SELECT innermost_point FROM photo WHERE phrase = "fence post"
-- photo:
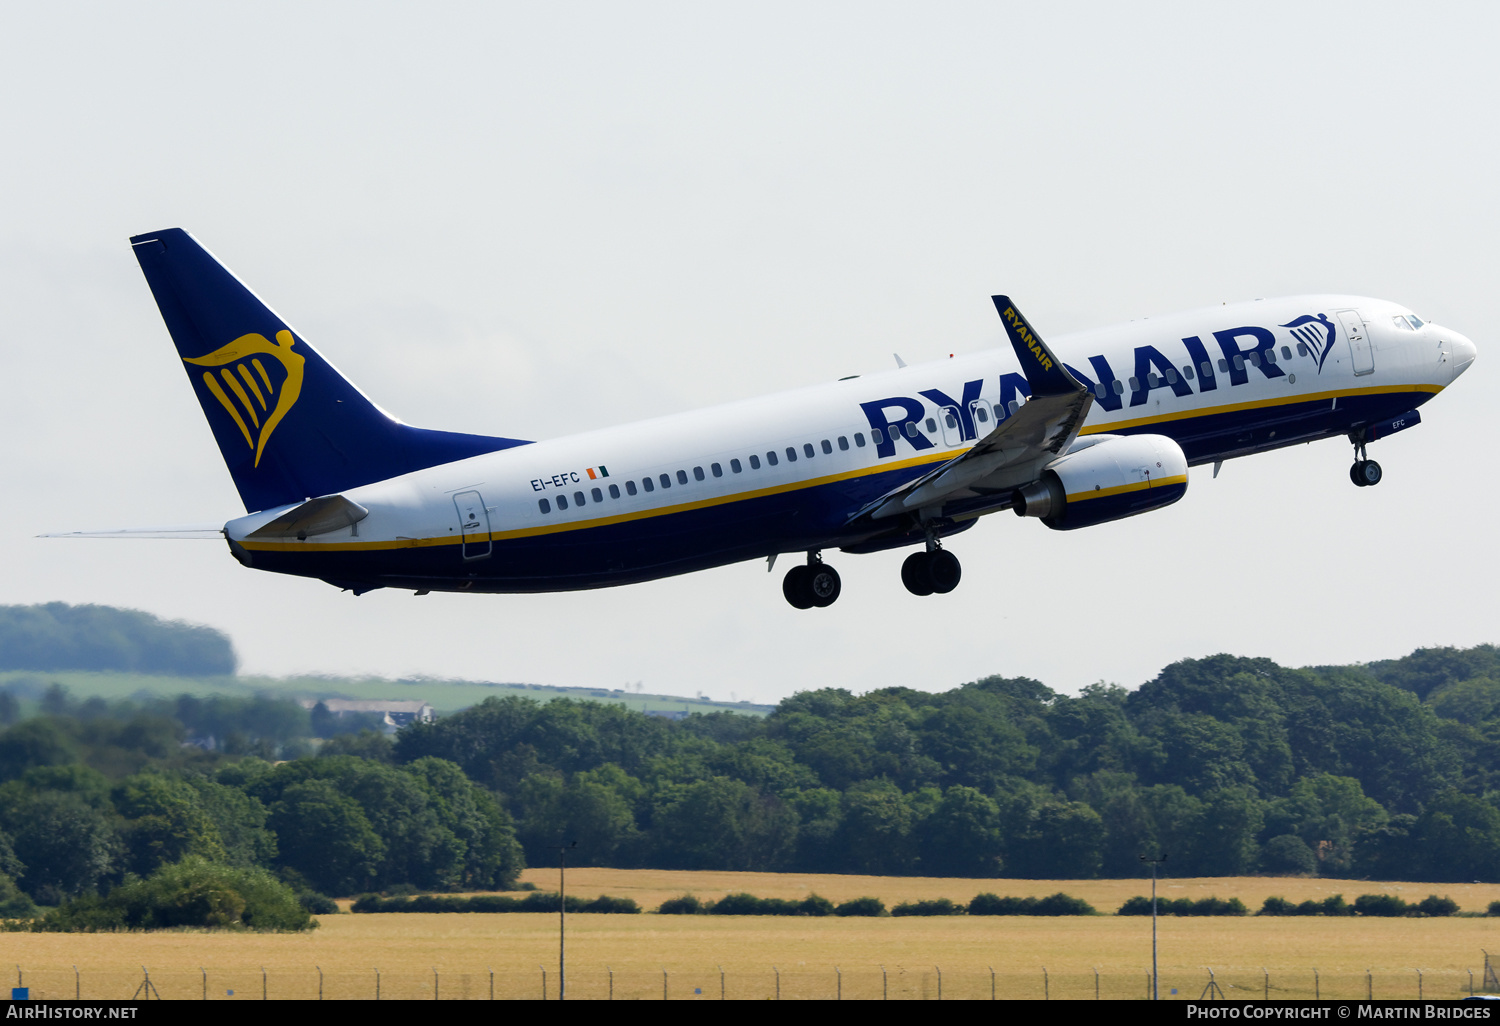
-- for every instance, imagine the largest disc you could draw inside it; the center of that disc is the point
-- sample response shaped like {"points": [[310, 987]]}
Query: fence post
{"points": [[940, 981], [1046, 986], [840, 975], [377, 983], [434, 983], [263, 983], [205, 982], [78, 987], [1096, 983], [885, 990], [721, 983], [778, 982], [1317, 989], [1148, 986], [492, 983], [544, 981], [992, 983], [1268, 982], [611, 982], [664, 983], [1369, 984], [1471, 983], [1419, 985], [320, 981]]}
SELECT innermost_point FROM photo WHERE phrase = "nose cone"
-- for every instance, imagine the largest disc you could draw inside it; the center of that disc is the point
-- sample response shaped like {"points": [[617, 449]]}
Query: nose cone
{"points": [[1463, 353]]}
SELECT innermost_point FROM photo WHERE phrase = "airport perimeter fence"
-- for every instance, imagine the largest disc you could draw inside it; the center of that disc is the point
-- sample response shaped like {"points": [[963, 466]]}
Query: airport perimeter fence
{"points": [[711, 983]]}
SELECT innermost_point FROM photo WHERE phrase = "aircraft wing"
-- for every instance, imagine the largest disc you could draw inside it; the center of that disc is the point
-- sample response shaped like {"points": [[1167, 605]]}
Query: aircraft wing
{"points": [[1014, 452]]}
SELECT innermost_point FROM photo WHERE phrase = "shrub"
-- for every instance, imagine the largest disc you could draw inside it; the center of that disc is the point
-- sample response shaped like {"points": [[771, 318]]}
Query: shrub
{"points": [[604, 903], [1061, 904], [1053, 905], [1279, 907], [193, 892], [1335, 905], [988, 904], [1288, 855], [685, 905], [1138, 906], [876, 907], [750, 905], [1432, 905], [1494, 909], [815, 905], [1218, 907], [933, 907], [315, 903], [1380, 905]]}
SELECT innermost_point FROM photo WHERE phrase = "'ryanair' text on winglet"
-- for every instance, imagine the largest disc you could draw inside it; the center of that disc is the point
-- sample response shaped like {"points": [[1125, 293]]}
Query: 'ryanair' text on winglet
{"points": [[1045, 373]]}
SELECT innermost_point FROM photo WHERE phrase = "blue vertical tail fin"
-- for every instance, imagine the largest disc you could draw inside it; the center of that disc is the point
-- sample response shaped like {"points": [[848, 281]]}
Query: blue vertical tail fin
{"points": [[289, 425]]}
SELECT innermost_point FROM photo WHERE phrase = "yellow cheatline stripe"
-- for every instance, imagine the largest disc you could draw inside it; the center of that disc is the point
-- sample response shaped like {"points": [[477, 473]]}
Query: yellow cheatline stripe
{"points": [[234, 386], [259, 369], [254, 388], [1098, 429], [1133, 487], [942, 455], [577, 525], [213, 386]]}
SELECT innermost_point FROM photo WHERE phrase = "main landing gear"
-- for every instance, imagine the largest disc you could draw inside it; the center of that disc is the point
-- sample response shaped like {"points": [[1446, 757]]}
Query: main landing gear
{"points": [[934, 571], [812, 584], [1365, 473]]}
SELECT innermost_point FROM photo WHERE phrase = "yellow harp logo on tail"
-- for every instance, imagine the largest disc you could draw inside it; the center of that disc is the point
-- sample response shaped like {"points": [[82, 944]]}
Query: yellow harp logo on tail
{"points": [[242, 372]]}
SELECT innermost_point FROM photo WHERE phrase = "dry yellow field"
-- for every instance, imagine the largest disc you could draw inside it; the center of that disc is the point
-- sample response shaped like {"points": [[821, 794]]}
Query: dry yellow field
{"points": [[451, 956]]}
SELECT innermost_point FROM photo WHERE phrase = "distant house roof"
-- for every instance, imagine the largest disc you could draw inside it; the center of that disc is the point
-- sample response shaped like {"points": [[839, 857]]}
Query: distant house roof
{"points": [[394, 713]]}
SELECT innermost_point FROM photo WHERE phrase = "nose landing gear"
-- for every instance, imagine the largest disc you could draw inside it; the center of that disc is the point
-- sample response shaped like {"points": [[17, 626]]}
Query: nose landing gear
{"points": [[1366, 472], [813, 584]]}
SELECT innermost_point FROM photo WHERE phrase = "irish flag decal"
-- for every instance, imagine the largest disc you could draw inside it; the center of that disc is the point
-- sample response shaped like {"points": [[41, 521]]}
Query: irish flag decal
{"points": [[595, 473]]}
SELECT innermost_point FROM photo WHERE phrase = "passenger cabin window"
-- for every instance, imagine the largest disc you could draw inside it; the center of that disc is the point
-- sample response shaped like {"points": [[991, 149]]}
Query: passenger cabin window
{"points": [[1152, 379], [1135, 384], [828, 446], [562, 502], [544, 505], [911, 429], [614, 491], [697, 473], [717, 470], [1118, 386], [734, 465], [1101, 390], [1224, 365], [771, 457], [578, 498], [754, 462], [1171, 376], [682, 476], [931, 426], [1301, 349], [876, 434], [983, 415], [629, 487], [791, 454], [807, 450], [843, 443], [1208, 368], [859, 438], [646, 484], [597, 494], [1286, 352], [665, 479], [1187, 371]]}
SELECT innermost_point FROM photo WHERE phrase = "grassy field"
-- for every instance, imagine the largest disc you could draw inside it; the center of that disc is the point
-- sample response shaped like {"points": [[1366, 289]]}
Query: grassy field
{"points": [[443, 695], [416, 954]]}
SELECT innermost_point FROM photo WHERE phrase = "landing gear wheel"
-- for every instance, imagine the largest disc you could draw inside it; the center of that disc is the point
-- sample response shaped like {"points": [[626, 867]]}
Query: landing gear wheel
{"points": [[822, 584], [1369, 473], [1354, 475], [943, 571], [915, 576], [796, 586]]}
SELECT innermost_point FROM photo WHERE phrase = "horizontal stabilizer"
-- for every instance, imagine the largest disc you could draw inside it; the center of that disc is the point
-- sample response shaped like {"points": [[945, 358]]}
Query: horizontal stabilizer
{"points": [[315, 516], [192, 532]]}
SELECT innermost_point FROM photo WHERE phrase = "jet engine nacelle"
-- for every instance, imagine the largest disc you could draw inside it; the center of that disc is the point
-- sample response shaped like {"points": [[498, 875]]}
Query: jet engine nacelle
{"points": [[1103, 478]]}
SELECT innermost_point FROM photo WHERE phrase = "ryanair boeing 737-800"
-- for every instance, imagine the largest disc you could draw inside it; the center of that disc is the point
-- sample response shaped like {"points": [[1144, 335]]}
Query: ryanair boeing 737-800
{"points": [[1090, 428]]}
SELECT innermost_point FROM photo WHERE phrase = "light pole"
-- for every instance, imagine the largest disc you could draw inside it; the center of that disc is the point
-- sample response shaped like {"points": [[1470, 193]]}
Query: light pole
{"points": [[562, 920], [1154, 863]]}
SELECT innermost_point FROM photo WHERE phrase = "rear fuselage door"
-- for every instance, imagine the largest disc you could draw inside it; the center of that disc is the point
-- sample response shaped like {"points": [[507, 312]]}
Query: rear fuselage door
{"points": [[953, 427], [1359, 341], [474, 522]]}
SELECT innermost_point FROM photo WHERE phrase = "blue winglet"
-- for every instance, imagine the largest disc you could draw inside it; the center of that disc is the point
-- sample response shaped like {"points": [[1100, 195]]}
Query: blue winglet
{"points": [[1045, 373], [288, 424]]}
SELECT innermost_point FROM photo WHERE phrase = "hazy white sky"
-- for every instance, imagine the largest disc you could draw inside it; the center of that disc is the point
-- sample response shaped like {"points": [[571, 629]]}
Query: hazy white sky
{"points": [[534, 219]]}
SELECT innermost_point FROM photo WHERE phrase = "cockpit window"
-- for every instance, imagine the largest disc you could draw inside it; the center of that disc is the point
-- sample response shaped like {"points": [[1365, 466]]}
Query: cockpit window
{"points": [[1416, 322], [1407, 322]]}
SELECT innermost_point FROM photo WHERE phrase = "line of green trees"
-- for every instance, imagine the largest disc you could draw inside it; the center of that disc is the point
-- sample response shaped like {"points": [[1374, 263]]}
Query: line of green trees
{"points": [[57, 636], [1229, 765]]}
